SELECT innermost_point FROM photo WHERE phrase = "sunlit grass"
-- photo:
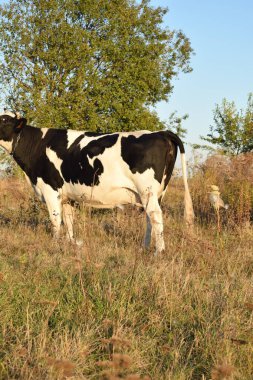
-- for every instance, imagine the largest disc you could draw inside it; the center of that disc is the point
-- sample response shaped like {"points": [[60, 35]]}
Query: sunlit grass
{"points": [[109, 310]]}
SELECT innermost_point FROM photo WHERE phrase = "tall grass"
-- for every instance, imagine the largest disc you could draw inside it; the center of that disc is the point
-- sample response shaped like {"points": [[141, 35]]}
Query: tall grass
{"points": [[109, 310]]}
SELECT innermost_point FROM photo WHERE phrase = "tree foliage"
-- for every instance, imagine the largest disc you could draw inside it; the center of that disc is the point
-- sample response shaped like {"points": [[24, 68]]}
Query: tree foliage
{"points": [[233, 129], [97, 65]]}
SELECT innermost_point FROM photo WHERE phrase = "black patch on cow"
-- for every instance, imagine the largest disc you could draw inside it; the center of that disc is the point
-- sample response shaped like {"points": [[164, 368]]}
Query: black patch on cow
{"points": [[57, 140], [150, 151], [170, 163], [76, 167], [30, 154], [95, 134]]}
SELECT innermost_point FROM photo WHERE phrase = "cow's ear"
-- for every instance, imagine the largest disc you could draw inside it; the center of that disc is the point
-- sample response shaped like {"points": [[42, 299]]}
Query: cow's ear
{"points": [[21, 123]]}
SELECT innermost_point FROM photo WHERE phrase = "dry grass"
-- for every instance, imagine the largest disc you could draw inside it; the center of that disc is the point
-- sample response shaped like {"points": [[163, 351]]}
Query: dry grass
{"points": [[110, 310]]}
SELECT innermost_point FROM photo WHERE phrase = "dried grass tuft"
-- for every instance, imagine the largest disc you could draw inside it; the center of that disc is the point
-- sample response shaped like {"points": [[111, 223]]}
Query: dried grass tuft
{"points": [[222, 371], [65, 367]]}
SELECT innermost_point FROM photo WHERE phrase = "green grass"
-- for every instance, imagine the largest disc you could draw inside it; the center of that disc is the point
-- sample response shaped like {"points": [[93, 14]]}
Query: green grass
{"points": [[109, 310]]}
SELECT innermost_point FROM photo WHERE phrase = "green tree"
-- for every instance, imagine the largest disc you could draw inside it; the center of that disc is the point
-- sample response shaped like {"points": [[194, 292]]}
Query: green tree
{"points": [[98, 65], [233, 129]]}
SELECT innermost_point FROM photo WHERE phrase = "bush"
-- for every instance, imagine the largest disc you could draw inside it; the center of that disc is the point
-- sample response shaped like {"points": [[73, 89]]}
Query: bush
{"points": [[234, 176]]}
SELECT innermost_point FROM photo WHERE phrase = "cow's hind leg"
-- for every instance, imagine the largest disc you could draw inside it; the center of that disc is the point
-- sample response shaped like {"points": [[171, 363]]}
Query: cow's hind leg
{"points": [[155, 221], [147, 238]]}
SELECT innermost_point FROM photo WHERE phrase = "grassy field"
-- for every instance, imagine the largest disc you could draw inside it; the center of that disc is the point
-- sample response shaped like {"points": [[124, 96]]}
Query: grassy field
{"points": [[109, 310]]}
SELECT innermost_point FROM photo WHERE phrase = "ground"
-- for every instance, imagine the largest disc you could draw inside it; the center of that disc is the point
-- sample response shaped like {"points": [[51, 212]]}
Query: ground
{"points": [[110, 310]]}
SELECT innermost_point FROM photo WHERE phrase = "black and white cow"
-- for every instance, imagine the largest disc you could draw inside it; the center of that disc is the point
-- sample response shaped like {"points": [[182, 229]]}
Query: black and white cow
{"points": [[103, 170]]}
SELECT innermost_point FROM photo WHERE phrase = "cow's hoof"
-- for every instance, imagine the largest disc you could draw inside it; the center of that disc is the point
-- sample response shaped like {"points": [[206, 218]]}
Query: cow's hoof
{"points": [[77, 242], [159, 252]]}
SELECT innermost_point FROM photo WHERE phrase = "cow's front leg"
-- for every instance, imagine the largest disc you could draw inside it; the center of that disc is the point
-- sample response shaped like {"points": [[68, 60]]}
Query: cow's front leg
{"points": [[68, 212], [54, 206], [68, 219]]}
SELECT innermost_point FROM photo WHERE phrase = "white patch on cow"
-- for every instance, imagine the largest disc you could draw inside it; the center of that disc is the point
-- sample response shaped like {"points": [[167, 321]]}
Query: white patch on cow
{"points": [[146, 183], [91, 160], [44, 131], [72, 136], [56, 161], [87, 139]]}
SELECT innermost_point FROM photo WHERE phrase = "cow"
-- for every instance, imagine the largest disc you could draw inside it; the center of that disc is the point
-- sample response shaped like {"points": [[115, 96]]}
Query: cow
{"points": [[104, 170]]}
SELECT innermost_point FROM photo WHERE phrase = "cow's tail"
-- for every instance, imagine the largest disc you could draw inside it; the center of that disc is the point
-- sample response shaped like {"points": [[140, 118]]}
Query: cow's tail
{"points": [[188, 211]]}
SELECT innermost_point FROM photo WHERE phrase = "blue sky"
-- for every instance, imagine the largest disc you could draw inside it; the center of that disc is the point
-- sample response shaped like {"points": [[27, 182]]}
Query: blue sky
{"points": [[221, 33]]}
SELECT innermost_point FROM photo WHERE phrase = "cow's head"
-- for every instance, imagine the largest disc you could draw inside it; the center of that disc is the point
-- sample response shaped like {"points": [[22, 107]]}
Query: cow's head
{"points": [[10, 126]]}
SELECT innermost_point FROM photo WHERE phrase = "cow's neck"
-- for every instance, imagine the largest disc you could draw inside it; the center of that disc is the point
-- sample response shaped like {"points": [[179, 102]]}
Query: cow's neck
{"points": [[24, 147]]}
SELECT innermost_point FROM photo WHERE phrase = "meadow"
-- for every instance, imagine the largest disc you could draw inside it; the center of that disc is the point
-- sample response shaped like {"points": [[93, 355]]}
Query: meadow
{"points": [[110, 310]]}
